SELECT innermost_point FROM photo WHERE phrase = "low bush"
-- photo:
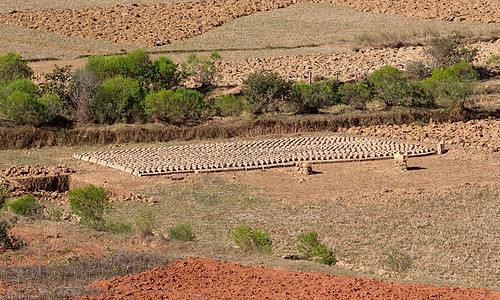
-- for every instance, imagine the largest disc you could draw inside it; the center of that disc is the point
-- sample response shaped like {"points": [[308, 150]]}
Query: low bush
{"points": [[453, 86], [26, 206], [145, 223], [4, 194], [450, 50], [421, 95], [7, 241], [13, 67], [390, 86], [312, 249], [90, 203], [181, 232], [25, 108], [357, 95], [228, 105], [175, 105], [397, 261], [262, 91], [310, 98], [202, 70], [118, 100], [55, 106], [249, 239]]}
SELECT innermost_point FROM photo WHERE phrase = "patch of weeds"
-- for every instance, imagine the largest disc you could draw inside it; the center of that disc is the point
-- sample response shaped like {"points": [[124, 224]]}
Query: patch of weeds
{"points": [[418, 123], [145, 223], [4, 194], [494, 59], [26, 206], [90, 203], [7, 241], [249, 239], [117, 227], [312, 249], [397, 261], [181, 232]]}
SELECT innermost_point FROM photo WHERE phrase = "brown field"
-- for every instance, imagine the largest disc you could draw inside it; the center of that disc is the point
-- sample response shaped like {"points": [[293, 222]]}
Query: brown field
{"points": [[429, 231]]}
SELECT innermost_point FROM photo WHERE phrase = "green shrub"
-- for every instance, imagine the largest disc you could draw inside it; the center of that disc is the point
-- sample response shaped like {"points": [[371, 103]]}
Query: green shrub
{"points": [[228, 105], [453, 86], [55, 106], [57, 83], [357, 95], [25, 108], [90, 203], [262, 91], [202, 71], [117, 227], [390, 85], [134, 65], [312, 249], [163, 74], [310, 98], [25, 206], [13, 67], [4, 194], [118, 99], [181, 232], [175, 105], [421, 95], [448, 51], [397, 261], [145, 223], [249, 239], [20, 85], [7, 241]]}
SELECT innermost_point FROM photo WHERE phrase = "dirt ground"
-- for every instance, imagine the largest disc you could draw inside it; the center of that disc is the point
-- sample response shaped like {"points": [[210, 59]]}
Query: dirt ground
{"points": [[198, 278]]}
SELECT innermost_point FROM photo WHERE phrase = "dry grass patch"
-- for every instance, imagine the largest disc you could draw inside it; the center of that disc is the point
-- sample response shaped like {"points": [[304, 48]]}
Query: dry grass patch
{"points": [[449, 238]]}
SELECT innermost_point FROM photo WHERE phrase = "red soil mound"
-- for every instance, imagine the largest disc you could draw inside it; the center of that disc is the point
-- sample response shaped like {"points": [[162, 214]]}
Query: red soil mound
{"points": [[198, 278], [165, 23]]}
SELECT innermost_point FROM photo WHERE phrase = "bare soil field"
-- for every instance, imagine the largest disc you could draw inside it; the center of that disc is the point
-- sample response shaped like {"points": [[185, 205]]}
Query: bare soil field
{"points": [[195, 277], [164, 23]]}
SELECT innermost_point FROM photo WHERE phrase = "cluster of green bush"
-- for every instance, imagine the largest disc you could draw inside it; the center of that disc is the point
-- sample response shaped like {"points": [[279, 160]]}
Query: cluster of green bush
{"points": [[134, 88]]}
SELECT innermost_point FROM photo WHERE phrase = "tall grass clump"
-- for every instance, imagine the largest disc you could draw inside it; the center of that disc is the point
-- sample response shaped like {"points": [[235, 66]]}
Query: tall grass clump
{"points": [[181, 232], [145, 223]]}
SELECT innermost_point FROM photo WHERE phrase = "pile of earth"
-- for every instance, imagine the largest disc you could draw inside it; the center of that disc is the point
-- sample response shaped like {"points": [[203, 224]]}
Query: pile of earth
{"points": [[198, 278], [479, 134], [346, 66], [165, 23], [30, 179]]}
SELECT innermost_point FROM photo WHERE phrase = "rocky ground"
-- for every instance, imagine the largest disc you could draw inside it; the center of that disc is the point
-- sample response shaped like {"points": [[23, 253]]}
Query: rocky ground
{"points": [[346, 66], [165, 23], [479, 134]]}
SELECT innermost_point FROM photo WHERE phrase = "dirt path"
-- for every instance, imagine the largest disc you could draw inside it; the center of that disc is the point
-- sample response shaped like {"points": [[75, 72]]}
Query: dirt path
{"points": [[198, 278]]}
